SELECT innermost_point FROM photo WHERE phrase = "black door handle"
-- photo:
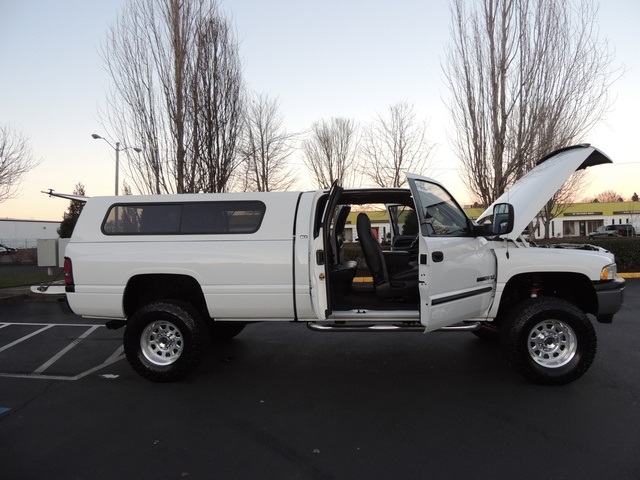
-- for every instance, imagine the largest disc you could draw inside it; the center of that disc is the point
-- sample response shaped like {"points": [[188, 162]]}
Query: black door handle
{"points": [[437, 256]]}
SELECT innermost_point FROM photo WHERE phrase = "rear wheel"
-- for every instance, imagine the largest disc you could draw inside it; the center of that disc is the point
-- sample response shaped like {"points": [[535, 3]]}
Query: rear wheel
{"points": [[549, 341], [163, 341]]}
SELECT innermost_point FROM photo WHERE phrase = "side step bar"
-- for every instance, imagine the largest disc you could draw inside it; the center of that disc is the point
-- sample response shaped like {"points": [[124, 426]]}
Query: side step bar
{"points": [[394, 327]]}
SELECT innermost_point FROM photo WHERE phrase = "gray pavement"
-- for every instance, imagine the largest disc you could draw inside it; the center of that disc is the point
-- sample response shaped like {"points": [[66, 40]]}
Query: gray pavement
{"points": [[283, 402]]}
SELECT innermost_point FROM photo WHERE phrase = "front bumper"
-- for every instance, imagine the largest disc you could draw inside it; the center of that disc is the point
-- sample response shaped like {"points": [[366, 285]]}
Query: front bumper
{"points": [[610, 297]]}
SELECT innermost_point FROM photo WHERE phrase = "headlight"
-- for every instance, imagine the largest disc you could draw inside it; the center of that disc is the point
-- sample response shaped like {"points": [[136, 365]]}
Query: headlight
{"points": [[609, 272]]}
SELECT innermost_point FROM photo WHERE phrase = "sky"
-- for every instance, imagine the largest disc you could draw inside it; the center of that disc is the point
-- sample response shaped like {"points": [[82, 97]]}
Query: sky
{"points": [[335, 58]]}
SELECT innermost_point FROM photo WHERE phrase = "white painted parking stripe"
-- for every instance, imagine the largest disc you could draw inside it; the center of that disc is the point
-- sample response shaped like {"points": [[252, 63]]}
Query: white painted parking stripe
{"points": [[37, 374], [115, 357], [39, 324], [59, 355], [27, 337]]}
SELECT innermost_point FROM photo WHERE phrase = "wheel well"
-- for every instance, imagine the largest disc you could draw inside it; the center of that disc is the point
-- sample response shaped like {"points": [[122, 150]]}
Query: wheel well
{"points": [[144, 289], [572, 287]]}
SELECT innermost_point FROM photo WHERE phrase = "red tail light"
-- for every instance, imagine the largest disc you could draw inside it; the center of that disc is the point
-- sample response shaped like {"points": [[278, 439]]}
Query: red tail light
{"points": [[68, 275]]}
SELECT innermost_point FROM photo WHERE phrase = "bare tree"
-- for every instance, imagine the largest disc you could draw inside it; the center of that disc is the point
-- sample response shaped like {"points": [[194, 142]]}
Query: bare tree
{"points": [[16, 159], [394, 144], [217, 109], [569, 193], [266, 147], [330, 152], [609, 196], [526, 77], [177, 93]]}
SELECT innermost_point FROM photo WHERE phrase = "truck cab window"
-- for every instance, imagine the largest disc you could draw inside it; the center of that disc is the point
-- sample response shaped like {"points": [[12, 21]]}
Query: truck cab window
{"points": [[440, 215]]}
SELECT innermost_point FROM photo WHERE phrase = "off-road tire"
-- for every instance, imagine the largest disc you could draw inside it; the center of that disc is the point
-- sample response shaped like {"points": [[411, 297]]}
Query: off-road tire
{"points": [[548, 340], [165, 341]]}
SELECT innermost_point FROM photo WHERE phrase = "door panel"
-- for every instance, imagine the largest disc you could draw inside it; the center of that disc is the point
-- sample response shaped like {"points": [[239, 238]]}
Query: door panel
{"points": [[456, 270], [462, 272], [319, 261]]}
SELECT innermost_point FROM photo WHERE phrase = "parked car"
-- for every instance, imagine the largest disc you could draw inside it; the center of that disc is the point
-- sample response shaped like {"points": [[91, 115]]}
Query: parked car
{"points": [[604, 231], [7, 250], [622, 230], [625, 230]]}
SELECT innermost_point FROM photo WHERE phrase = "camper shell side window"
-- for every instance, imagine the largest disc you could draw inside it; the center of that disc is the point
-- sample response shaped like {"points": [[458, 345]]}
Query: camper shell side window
{"points": [[184, 218]]}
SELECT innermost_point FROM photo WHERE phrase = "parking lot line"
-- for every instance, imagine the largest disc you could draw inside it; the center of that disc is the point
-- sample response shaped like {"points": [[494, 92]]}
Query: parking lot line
{"points": [[115, 357], [38, 373], [26, 337], [59, 355], [41, 324]]}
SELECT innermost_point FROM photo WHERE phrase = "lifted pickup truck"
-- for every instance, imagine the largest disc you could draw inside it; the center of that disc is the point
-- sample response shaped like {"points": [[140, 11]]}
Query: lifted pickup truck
{"points": [[178, 269]]}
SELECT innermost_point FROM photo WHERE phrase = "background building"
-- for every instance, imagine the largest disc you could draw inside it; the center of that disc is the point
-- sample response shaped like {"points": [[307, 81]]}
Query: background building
{"points": [[26, 233]]}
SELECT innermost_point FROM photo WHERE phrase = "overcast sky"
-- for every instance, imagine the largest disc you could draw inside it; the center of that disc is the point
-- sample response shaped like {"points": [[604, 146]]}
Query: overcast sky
{"points": [[348, 58]]}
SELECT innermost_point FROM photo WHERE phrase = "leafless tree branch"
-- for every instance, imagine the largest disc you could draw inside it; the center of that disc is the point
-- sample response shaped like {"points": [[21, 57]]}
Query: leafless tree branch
{"points": [[394, 144], [526, 77], [16, 160], [330, 152], [266, 147], [177, 94]]}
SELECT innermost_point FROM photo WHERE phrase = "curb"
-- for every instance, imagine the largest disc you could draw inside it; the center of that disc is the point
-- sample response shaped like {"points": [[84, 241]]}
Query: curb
{"points": [[21, 294], [629, 275]]}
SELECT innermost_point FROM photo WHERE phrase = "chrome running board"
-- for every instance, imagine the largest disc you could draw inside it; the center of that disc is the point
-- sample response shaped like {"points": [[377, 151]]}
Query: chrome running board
{"points": [[394, 327]]}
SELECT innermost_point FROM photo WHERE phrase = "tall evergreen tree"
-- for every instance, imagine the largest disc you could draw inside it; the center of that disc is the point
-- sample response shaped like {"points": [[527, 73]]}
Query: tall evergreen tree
{"points": [[70, 217]]}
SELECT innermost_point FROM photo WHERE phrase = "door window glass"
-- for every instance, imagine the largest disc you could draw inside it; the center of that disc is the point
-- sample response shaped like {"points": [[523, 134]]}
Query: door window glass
{"points": [[440, 214]]}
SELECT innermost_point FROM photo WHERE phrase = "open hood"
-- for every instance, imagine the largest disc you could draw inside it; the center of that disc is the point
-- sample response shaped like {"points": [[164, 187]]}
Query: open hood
{"points": [[529, 194]]}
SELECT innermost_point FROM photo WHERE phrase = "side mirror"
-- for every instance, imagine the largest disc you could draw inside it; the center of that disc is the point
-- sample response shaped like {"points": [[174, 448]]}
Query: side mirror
{"points": [[502, 219]]}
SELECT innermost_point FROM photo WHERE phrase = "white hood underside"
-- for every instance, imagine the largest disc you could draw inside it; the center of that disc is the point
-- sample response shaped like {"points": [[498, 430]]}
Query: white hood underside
{"points": [[529, 194]]}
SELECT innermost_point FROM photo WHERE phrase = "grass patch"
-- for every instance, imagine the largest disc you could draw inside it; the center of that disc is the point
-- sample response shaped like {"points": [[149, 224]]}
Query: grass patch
{"points": [[24, 280]]}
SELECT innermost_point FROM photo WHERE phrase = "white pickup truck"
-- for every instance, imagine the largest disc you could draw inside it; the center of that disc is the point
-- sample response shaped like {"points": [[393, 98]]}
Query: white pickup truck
{"points": [[178, 269]]}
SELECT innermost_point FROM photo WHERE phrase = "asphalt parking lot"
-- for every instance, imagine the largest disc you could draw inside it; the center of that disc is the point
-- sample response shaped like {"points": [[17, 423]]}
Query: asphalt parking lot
{"points": [[283, 402]]}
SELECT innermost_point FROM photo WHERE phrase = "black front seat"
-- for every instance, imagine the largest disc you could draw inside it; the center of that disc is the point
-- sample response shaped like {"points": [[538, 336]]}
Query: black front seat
{"points": [[402, 282]]}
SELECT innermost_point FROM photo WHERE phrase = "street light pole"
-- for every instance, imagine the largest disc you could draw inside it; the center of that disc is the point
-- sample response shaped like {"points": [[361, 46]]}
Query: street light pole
{"points": [[117, 165], [117, 148]]}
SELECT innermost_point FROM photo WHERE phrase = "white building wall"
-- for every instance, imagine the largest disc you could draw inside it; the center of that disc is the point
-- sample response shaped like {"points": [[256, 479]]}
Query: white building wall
{"points": [[25, 233]]}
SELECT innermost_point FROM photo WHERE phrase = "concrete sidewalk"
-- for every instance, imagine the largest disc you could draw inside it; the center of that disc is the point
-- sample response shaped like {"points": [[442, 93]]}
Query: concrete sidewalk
{"points": [[20, 294]]}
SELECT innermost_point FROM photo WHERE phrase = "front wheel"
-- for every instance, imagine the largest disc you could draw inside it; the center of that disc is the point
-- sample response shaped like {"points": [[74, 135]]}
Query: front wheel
{"points": [[549, 341], [164, 341]]}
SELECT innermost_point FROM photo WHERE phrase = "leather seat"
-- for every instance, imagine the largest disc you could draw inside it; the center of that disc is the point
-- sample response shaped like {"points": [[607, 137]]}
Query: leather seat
{"points": [[398, 283], [342, 276], [341, 273]]}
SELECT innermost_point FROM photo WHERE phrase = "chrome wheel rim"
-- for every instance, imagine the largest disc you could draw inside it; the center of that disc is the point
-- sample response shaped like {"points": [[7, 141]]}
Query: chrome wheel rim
{"points": [[552, 343], [161, 343]]}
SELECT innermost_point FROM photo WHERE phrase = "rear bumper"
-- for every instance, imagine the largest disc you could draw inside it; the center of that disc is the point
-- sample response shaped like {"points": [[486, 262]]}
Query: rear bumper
{"points": [[610, 296], [64, 306]]}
